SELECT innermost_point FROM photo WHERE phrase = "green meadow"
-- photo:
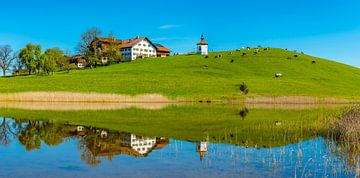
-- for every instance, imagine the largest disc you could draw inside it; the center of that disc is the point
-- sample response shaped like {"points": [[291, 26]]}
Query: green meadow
{"points": [[197, 77], [216, 123]]}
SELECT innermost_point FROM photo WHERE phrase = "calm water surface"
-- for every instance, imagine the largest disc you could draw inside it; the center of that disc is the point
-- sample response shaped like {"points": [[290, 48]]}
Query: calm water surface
{"points": [[42, 149]]}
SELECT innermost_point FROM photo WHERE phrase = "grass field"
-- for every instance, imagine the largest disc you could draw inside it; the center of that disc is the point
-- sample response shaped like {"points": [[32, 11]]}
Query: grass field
{"points": [[218, 123], [194, 77]]}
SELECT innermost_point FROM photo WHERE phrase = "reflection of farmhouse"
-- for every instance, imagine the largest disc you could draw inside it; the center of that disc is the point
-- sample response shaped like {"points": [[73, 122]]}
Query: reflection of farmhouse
{"points": [[108, 144], [135, 48]]}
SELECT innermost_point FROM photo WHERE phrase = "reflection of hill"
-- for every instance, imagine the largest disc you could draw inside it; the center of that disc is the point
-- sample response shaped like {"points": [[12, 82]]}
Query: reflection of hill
{"points": [[220, 123]]}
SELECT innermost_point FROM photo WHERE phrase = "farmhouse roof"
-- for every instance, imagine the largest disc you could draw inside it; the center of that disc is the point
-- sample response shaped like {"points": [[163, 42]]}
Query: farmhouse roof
{"points": [[125, 43], [161, 48]]}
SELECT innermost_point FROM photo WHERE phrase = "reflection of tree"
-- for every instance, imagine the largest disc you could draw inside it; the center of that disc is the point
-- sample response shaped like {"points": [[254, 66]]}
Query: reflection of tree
{"points": [[87, 145], [29, 136], [37, 131], [52, 134], [8, 130]]}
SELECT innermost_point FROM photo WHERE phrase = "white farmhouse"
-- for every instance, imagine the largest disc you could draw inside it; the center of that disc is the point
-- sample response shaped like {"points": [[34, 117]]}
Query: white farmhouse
{"points": [[202, 47], [139, 47], [134, 48]]}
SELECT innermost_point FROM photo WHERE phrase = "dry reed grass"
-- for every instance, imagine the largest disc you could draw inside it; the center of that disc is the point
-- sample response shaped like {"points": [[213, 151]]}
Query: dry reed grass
{"points": [[76, 106], [82, 97], [347, 126], [295, 100]]}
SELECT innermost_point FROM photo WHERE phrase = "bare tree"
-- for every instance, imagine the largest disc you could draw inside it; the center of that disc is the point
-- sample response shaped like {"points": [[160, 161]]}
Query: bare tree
{"points": [[7, 57], [86, 39], [8, 131]]}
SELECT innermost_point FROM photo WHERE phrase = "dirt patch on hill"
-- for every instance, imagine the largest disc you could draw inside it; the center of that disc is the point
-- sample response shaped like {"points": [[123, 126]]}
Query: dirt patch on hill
{"points": [[82, 97]]}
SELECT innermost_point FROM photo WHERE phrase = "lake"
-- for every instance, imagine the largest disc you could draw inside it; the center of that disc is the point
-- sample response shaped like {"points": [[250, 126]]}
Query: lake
{"points": [[176, 141]]}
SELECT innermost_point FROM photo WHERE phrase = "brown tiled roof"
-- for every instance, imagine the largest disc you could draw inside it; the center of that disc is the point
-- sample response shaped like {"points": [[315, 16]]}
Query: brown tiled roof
{"points": [[133, 41], [78, 59], [162, 49], [124, 43]]}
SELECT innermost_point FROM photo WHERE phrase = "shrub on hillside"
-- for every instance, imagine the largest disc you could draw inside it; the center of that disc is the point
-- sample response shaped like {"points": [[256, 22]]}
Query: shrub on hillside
{"points": [[243, 113], [244, 88]]}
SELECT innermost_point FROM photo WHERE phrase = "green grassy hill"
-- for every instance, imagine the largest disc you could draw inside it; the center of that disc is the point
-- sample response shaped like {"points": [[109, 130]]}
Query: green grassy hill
{"points": [[195, 77]]}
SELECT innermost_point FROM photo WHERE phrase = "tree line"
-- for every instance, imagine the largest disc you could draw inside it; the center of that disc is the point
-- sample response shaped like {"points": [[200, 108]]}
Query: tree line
{"points": [[33, 60]]}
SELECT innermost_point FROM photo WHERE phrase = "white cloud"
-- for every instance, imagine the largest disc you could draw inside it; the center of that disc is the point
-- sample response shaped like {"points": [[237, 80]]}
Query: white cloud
{"points": [[167, 27]]}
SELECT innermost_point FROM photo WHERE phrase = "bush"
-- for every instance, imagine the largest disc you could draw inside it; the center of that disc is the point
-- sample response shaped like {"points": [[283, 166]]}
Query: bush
{"points": [[244, 89], [243, 113]]}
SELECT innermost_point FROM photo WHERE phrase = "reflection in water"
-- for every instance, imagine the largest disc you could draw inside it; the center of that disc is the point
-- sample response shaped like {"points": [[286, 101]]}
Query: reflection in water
{"points": [[313, 158], [93, 142], [202, 149]]}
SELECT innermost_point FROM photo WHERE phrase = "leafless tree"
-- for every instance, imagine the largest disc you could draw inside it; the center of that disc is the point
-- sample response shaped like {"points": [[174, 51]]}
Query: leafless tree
{"points": [[8, 131], [7, 57], [86, 39]]}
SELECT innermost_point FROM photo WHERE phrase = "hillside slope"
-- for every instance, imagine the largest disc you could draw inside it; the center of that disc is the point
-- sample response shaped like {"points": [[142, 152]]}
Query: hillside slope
{"points": [[197, 77]]}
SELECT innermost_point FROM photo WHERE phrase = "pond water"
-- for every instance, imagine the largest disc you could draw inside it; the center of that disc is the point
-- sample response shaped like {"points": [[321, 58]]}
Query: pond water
{"points": [[51, 148]]}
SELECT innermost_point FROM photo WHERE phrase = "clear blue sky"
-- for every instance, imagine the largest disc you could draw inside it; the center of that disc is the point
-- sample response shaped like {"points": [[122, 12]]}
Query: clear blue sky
{"points": [[324, 28]]}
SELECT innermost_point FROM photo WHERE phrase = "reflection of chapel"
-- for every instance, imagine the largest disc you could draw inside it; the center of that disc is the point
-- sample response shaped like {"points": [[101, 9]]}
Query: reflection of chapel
{"points": [[202, 148]]}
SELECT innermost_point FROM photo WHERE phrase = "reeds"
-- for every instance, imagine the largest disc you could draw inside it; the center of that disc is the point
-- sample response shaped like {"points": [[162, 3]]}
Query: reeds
{"points": [[82, 97], [347, 127], [296, 100]]}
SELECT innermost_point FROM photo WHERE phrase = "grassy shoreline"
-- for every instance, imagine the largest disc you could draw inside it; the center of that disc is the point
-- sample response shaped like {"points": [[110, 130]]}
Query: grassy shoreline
{"points": [[72, 97], [193, 77]]}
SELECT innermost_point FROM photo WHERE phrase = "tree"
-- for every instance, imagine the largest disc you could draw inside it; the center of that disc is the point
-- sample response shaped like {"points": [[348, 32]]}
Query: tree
{"points": [[31, 57], [112, 51], [244, 88], [50, 58], [86, 39], [7, 57]]}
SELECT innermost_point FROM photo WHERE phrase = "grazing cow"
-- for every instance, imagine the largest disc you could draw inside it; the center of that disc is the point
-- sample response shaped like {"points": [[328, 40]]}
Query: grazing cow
{"points": [[232, 61], [244, 54], [313, 62], [206, 57], [218, 56], [277, 75], [296, 55], [257, 49]]}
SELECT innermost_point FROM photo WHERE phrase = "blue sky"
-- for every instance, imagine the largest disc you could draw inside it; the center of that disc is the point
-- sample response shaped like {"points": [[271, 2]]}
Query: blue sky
{"points": [[329, 29]]}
